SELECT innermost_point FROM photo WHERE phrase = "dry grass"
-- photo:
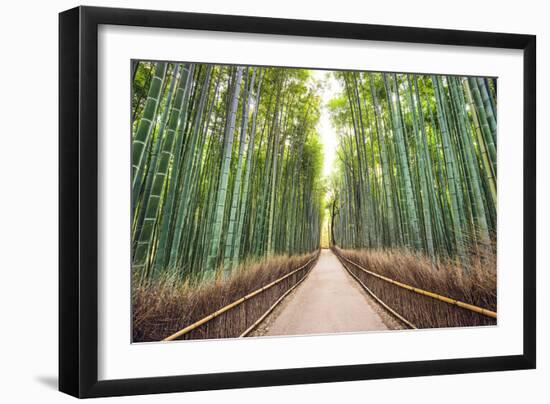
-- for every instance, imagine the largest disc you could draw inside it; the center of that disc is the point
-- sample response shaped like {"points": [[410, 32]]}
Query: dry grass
{"points": [[164, 306], [476, 286]]}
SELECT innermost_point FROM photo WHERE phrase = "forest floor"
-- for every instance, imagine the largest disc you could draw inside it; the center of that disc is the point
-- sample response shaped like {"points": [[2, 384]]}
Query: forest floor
{"points": [[328, 301]]}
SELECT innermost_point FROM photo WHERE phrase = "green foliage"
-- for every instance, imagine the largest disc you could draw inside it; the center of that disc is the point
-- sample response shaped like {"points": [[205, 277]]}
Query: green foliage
{"points": [[227, 164], [417, 162], [236, 174]]}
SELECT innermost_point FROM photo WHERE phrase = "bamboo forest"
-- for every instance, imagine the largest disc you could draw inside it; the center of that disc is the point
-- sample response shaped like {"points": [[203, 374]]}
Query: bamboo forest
{"points": [[246, 180]]}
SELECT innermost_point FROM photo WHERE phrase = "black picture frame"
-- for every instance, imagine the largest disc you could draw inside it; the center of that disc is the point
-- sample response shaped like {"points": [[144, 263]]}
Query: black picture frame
{"points": [[78, 201]]}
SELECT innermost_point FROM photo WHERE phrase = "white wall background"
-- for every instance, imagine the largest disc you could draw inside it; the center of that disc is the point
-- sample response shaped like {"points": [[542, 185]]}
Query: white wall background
{"points": [[28, 202]]}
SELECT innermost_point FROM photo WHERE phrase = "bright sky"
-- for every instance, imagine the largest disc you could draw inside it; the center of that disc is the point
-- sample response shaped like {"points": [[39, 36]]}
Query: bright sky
{"points": [[327, 134]]}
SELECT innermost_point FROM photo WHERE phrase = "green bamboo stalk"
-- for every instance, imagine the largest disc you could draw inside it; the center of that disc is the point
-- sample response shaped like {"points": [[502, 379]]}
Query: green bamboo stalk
{"points": [[487, 103], [246, 181], [451, 171], [140, 208], [471, 163], [143, 248], [146, 124], [226, 160], [188, 157], [422, 166], [485, 128], [395, 112], [235, 200]]}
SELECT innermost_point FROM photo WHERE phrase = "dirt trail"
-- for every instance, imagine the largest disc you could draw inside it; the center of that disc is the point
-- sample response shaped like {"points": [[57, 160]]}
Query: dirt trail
{"points": [[328, 301]]}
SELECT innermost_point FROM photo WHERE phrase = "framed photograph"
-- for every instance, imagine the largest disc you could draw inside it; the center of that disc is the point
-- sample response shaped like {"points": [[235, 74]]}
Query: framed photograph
{"points": [[250, 201]]}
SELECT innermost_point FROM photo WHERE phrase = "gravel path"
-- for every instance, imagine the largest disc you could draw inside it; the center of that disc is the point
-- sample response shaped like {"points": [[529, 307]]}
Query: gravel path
{"points": [[328, 301]]}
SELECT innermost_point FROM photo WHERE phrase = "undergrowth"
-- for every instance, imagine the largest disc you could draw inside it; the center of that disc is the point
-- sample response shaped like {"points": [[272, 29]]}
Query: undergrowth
{"points": [[477, 284], [165, 305]]}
